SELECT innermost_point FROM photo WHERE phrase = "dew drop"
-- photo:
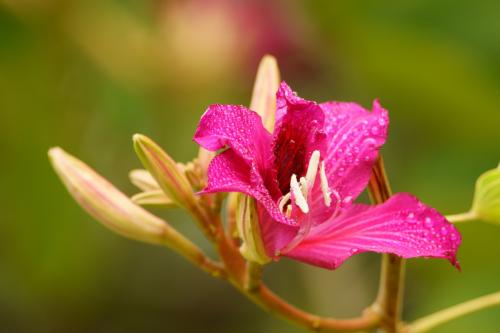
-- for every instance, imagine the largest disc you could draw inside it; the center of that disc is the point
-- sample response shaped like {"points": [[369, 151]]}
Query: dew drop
{"points": [[444, 230]]}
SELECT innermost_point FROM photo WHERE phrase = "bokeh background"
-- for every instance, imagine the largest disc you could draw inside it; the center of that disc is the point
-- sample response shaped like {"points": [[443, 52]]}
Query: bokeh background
{"points": [[86, 75]]}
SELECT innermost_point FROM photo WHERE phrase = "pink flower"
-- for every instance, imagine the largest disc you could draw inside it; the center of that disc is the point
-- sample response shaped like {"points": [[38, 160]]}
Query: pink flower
{"points": [[306, 175]]}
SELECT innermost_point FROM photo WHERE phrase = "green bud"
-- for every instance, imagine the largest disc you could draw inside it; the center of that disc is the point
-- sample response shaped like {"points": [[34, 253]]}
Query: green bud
{"points": [[247, 223], [486, 203], [265, 87], [165, 171], [105, 203]]}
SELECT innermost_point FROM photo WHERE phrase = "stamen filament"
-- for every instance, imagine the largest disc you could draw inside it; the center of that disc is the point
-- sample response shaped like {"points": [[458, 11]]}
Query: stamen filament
{"points": [[297, 194], [284, 199], [312, 168], [324, 185], [304, 187]]}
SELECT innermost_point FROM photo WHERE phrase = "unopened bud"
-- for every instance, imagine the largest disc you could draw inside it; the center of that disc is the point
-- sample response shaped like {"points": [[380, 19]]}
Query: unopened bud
{"points": [[153, 198], [252, 247], [203, 160], [486, 203], [153, 195], [143, 180], [106, 203], [165, 171], [264, 91]]}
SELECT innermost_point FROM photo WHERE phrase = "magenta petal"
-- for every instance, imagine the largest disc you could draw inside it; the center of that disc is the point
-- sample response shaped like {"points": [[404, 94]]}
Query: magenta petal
{"points": [[354, 137], [402, 226], [275, 236], [298, 132], [229, 173], [235, 127]]}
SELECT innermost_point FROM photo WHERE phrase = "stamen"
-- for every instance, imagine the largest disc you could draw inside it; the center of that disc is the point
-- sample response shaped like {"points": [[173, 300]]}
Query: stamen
{"points": [[312, 168], [324, 185], [288, 211], [304, 187], [297, 194], [284, 199]]}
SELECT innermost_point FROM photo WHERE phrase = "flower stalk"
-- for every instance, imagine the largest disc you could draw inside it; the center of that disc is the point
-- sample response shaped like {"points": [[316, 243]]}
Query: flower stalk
{"points": [[438, 318], [462, 217], [171, 180]]}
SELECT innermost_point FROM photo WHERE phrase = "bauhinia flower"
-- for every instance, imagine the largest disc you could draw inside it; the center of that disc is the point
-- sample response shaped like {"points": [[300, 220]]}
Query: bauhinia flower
{"points": [[306, 175]]}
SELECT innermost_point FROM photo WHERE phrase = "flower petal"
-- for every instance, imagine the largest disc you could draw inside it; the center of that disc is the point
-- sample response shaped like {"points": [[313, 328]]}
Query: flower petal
{"points": [[402, 226], [298, 133], [228, 172], [354, 137], [275, 236], [239, 129]]}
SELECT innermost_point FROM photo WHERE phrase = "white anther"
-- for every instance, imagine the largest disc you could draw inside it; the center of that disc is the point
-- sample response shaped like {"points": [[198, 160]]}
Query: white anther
{"points": [[312, 168], [300, 200], [284, 199], [324, 185]]}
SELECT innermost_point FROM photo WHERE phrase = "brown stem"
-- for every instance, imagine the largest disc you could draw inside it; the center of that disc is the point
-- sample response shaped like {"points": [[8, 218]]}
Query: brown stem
{"points": [[273, 304], [193, 253], [253, 276], [256, 291], [388, 301]]}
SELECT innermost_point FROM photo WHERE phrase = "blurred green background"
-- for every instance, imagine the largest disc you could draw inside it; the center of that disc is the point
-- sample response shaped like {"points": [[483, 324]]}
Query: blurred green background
{"points": [[86, 75]]}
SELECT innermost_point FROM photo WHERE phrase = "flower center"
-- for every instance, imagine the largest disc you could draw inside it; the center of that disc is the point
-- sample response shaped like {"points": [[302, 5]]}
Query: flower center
{"points": [[300, 189], [289, 153]]}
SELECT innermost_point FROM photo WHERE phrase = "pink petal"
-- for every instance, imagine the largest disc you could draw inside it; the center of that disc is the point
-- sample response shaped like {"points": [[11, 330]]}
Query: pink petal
{"points": [[235, 127], [402, 226], [275, 236], [228, 172], [245, 166], [298, 132], [354, 137]]}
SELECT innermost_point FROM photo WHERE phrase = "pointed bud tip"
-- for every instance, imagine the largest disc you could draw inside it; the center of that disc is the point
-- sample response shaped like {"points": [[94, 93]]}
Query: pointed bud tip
{"points": [[138, 138], [54, 152], [269, 59]]}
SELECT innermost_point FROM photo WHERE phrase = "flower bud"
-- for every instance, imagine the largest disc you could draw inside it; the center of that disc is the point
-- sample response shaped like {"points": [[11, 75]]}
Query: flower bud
{"points": [[165, 171], [153, 198], [143, 180], [203, 160], [152, 194], [264, 91], [252, 247], [486, 203], [106, 203]]}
